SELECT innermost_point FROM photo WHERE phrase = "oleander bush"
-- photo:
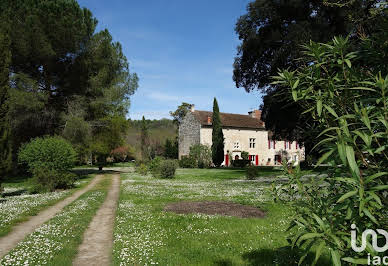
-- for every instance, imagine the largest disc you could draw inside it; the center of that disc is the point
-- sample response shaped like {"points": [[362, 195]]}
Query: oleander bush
{"points": [[350, 104], [49, 159]]}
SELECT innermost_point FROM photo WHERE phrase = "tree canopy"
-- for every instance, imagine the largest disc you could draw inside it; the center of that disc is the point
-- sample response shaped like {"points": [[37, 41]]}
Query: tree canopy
{"points": [[65, 78]]}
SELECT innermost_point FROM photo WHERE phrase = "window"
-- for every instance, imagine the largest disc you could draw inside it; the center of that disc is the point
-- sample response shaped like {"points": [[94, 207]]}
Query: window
{"points": [[271, 144], [252, 143], [287, 145], [236, 145], [252, 158]]}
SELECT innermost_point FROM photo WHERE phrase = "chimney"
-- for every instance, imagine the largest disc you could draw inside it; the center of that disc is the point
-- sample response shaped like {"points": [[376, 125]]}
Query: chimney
{"points": [[192, 108], [255, 114], [209, 120]]}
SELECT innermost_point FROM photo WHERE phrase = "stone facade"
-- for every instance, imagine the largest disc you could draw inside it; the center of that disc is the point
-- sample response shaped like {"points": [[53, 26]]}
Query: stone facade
{"points": [[189, 134], [255, 141]]}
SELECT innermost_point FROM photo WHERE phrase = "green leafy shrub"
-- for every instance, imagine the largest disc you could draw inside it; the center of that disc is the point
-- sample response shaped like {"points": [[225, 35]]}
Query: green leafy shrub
{"points": [[187, 162], [49, 153], [141, 169], [240, 163], [251, 172], [202, 155], [350, 106], [154, 165], [49, 160], [167, 169], [245, 155]]}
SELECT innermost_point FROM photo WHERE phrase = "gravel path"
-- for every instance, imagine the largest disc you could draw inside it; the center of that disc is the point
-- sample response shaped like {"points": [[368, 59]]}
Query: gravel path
{"points": [[20, 231], [96, 247]]}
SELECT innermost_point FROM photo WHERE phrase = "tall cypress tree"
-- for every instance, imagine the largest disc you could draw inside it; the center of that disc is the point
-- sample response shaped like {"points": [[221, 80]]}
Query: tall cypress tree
{"points": [[144, 139], [5, 126], [217, 136]]}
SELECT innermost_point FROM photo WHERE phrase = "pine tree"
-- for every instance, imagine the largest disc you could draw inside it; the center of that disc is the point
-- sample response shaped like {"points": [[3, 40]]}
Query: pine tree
{"points": [[5, 127], [217, 136]]}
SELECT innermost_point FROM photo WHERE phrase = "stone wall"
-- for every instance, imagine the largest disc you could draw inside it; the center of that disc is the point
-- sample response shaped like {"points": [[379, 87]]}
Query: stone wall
{"points": [[189, 134]]}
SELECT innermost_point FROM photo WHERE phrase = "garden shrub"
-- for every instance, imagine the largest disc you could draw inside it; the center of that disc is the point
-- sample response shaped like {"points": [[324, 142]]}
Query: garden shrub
{"points": [[187, 162], [153, 166], [167, 169], [350, 106], [141, 169], [245, 155], [240, 163], [49, 159], [252, 172], [202, 155]]}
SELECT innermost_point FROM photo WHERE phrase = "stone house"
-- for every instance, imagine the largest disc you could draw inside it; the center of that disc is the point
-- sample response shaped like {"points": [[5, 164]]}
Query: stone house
{"points": [[241, 133]]}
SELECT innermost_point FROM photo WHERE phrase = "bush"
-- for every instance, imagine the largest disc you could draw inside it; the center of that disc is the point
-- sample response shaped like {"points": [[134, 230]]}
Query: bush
{"points": [[245, 155], [252, 172], [45, 180], [141, 169], [187, 162], [167, 169], [202, 155], [49, 160], [240, 163], [49, 153], [153, 166]]}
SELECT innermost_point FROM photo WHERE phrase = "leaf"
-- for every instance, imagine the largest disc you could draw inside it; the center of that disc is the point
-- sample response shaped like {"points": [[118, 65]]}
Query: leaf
{"points": [[335, 257], [331, 110], [319, 107], [324, 157], [362, 88], [295, 84], [367, 213], [294, 95], [308, 236], [347, 195], [382, 187], [356, 261], [351, 160], [347, 61], [318, 252], [372, 177]]}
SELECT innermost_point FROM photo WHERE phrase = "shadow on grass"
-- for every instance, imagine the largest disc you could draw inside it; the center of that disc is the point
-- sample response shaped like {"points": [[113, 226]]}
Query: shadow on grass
{"points": [[83, 172], [14, 193], [281, 256], [285, 256]]}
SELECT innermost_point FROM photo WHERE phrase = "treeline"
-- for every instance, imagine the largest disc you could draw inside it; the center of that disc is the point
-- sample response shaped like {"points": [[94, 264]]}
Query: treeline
{"points": [[59, 76]]}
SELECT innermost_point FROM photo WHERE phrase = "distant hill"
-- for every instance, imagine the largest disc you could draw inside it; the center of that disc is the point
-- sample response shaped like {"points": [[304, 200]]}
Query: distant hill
{"points": [[158, 130]]}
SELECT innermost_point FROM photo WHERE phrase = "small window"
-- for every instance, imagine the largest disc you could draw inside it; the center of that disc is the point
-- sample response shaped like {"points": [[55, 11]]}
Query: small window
{"points": [[236, 145], [252, 143], [271, 144], [252, 157]]}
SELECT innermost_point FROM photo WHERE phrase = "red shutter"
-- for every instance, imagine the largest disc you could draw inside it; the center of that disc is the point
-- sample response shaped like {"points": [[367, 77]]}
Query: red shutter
{"points": [[226, 160], [257, 159], [296, 144], [274, 144], [285, 145], [269, 144]]}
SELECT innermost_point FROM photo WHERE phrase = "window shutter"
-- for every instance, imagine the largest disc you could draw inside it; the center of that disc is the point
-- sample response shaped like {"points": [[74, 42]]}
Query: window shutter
{"points": [[285, 145], [269, 144], [274, 144]]}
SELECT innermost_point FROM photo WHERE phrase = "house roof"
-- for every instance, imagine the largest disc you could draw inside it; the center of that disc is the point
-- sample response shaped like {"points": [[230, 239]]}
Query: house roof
{"points": [[229, 120]]}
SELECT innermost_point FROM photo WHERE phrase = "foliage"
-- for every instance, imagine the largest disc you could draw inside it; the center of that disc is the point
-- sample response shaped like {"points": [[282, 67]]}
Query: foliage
{"points": [[48, 152], [58, 59], [272, 34], [167, 169], [217, 136], [153, 166], [144, 141], [251, 172], [351, 107], [240, 163], [46, 179], [49, 160], [123, 154], [180, 112], [187, 162], [5, 125], [202, 155], [141, 169], [171, 149], [245, 155]]}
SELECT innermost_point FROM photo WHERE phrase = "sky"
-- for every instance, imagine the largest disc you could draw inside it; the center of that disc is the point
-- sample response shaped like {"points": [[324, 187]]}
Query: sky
{"points": [[182, 51]]}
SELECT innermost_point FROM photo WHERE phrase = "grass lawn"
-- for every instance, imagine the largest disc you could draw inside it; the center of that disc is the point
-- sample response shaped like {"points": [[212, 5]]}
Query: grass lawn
{"points": [[17, 205], [56, 242], [145, 234]]}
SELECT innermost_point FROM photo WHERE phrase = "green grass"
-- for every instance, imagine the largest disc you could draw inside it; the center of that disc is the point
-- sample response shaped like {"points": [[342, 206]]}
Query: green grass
{"points": [[145, 234], [19, 208], [56, 242]]}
